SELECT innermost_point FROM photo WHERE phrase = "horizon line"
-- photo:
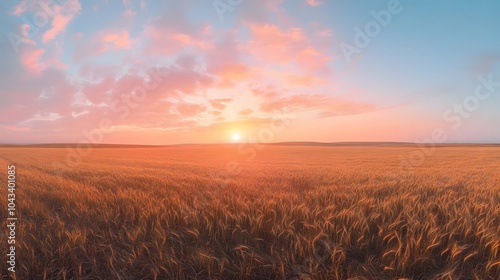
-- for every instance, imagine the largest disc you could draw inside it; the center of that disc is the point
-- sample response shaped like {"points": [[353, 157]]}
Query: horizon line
{"points": [[284, 143]]}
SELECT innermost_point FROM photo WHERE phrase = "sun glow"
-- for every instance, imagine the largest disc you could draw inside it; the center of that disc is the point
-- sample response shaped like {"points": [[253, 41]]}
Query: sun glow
{"points": [[236, 137]]}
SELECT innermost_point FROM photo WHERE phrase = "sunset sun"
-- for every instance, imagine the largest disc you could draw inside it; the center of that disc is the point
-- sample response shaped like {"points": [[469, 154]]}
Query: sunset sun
{"points": [[235, 137]]}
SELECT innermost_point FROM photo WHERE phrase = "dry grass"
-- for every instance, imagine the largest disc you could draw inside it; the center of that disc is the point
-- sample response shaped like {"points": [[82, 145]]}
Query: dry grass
{"points": [[318, 212]]}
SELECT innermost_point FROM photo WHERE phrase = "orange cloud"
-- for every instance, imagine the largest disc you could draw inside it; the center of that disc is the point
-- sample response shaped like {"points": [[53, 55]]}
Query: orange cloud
{"points": [[230, 73], [245, 112], [220, 103]]}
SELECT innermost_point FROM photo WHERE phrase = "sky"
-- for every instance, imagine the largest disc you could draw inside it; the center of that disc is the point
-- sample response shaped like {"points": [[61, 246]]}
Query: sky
{"points": [[197, 71]]}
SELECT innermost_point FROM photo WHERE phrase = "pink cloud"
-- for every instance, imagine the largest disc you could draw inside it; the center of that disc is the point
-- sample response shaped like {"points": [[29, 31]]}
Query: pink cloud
{"points": [[96, 92], [60, 15], [118, 39], [24, 30], [58, 24], [303, 80], [77, 36], [20, 8], [187, 109], [48, 93], [129, 13], [103, 41], [95, 72], [174, 32], [36, 60], [314, 3], [56, 63], [270, 43], [226, 60], [267, 92], [88, 49], [30, 58], [262, 11], [165, 102], [167, 41]]}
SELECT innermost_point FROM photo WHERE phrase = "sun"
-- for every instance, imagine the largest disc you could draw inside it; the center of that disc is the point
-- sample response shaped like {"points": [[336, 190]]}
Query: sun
{"points": [[236, 137]]}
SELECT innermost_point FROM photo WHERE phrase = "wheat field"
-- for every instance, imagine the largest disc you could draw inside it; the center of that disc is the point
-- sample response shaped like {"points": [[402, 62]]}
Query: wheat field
{"points": [[290, 212]]}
